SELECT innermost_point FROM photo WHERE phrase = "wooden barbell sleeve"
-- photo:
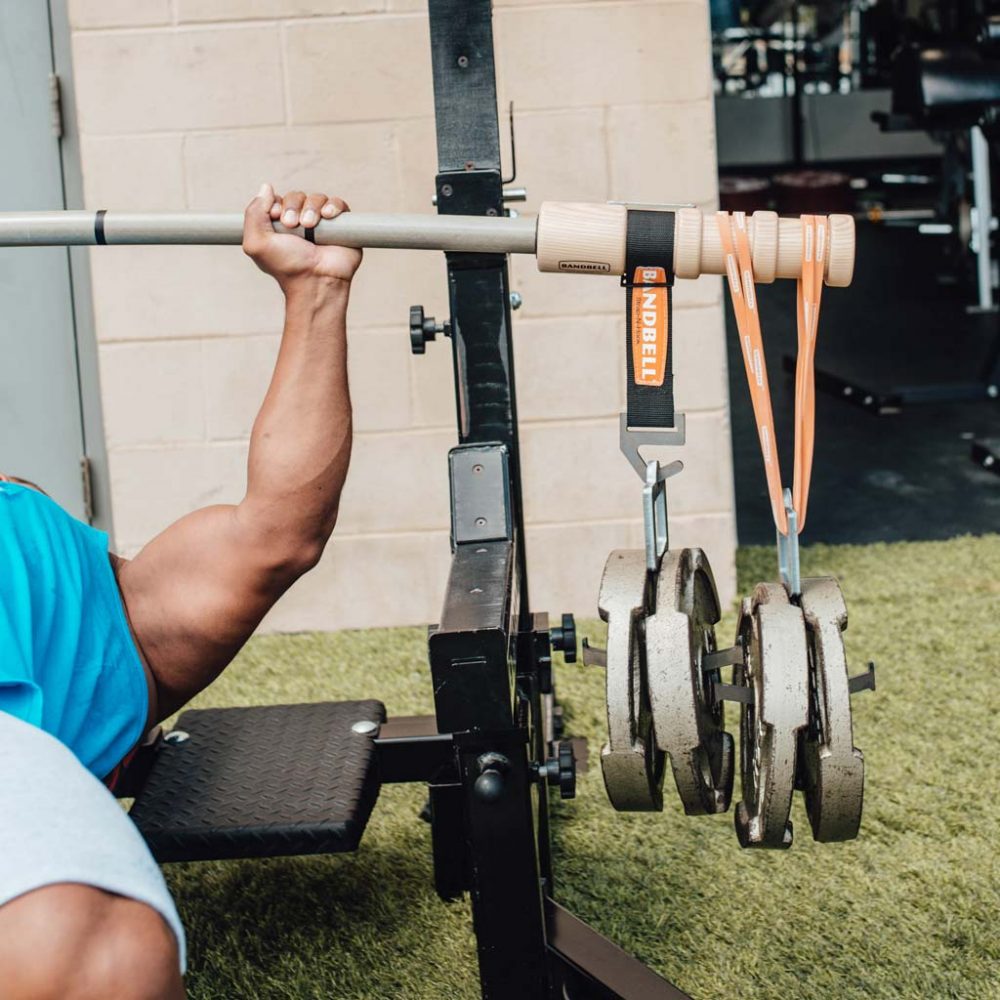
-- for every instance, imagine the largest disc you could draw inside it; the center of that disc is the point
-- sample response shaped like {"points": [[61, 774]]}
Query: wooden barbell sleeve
{"points": [[567, 236], [590, 239]]}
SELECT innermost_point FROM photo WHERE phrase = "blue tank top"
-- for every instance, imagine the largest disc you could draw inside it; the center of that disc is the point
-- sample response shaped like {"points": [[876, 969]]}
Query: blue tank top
{"points": [[68, 663]]}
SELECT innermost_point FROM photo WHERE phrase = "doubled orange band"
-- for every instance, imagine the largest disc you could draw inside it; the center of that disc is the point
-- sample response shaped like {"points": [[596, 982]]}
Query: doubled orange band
{"points": [[739, 271]]}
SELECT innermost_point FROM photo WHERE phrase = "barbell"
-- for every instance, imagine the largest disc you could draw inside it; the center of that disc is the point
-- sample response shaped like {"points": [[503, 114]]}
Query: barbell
{"points": [[572, 237]]}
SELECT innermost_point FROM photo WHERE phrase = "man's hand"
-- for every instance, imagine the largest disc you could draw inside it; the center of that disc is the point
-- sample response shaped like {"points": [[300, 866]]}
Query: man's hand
{"points": [[291, 260]]}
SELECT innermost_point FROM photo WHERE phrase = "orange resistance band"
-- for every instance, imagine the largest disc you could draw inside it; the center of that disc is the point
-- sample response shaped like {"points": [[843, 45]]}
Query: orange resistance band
{"points": [[739, 270], [810, 291]]}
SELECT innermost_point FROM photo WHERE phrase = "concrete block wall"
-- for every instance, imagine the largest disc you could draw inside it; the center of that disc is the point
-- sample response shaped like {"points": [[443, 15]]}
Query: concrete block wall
{"points": [[190, 104]]}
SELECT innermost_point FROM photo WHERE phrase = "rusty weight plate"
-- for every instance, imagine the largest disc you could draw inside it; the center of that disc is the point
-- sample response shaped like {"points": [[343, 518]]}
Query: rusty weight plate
{"points": [[632, 763], [689, 725], [832, 769], [776, 669]]}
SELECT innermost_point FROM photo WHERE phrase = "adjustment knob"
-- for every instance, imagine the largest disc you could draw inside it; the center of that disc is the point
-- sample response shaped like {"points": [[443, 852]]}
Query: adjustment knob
{"points": [[423, 328], [564, 638], [561, 770]]}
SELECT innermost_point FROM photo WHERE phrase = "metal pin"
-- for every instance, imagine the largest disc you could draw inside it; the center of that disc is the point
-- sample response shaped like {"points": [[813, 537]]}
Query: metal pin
{"points": [[594, 657], [722, 658], [863, 682], [733, 692]]}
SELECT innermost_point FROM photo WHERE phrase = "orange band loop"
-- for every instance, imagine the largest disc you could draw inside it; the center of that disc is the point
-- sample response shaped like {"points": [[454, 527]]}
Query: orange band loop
{"points": [[735, 239]]}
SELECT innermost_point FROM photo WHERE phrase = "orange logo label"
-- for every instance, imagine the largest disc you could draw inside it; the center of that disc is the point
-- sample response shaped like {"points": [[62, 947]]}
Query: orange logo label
{"points": [[650, 333]]}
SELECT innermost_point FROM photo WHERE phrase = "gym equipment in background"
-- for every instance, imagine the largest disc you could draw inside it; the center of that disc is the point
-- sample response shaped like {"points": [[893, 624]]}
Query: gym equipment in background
{"points": [[303, 779], [953, 91]]}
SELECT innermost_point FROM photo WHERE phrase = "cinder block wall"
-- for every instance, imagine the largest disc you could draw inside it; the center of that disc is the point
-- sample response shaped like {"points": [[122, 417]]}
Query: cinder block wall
{"points": [[190, 104]]}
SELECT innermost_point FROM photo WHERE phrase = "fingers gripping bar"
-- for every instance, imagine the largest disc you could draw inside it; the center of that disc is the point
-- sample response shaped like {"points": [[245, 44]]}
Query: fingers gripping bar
{"points": [[567, 236]]}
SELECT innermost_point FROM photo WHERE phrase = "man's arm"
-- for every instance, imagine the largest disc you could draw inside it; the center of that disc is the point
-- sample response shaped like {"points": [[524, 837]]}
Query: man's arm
{"points": [[197, 591]]}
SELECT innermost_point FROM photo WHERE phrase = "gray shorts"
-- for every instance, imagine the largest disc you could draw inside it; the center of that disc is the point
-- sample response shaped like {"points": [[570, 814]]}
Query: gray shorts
{"points": [[58, 823]]}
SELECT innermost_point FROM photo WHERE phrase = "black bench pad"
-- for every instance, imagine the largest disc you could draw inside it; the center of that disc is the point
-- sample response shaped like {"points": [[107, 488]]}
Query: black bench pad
{"points": [[261, 782]]}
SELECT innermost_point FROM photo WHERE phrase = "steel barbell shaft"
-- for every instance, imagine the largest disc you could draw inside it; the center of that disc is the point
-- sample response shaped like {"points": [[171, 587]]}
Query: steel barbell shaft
{"points": [[472, 234], [568, 237]]}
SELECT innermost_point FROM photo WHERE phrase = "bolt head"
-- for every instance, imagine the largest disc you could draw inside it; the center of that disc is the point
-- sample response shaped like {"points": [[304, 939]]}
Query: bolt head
{"points": [[489, 786], [176, 736], [364, 727]]}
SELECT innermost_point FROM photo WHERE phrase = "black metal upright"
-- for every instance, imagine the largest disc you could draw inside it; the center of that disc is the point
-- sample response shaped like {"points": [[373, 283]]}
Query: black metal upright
{"points": [[489, 655], [474, 649], [469, 182]]}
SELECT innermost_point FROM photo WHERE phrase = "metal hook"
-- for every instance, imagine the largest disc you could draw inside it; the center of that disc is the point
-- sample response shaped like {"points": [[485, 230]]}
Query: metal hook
{"points": [[654, 516], [788, 550], [653, 475], [630, 440]]}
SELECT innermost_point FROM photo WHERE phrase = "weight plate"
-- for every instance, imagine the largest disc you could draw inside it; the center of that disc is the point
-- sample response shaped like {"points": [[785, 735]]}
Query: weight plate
{"points": [[832, 768], [631, 762], [688, 724], [776, 669]]}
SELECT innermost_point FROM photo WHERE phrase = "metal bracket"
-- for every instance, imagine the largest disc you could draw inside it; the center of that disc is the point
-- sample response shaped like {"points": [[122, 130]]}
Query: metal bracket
{"points": [[480, 493], [631, 439], [788, 550]]}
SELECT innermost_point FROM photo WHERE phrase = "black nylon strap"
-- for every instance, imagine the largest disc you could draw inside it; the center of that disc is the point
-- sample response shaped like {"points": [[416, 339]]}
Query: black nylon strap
{"points": [[99, 237], [649, 242]]}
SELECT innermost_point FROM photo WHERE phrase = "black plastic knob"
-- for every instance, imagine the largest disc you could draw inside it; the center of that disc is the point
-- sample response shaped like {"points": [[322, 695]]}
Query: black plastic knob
{"points": [[419, 332], [560, 771], [424, 328], [567, 771], [564, 638]]}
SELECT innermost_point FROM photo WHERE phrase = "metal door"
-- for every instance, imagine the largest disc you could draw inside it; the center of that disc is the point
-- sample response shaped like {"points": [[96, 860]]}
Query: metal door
{"points": [[41, 427]]}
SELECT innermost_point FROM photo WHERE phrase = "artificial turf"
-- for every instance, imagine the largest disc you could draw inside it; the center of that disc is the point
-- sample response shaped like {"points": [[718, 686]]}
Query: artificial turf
{"points": [[910, 909]]}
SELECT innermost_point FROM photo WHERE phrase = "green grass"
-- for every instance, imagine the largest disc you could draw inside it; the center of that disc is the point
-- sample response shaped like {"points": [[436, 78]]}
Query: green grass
{"points": [[908, 910]]}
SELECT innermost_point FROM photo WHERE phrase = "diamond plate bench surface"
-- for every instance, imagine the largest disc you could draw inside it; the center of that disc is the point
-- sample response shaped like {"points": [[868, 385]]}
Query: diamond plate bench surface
{"points": [[261, 782]]}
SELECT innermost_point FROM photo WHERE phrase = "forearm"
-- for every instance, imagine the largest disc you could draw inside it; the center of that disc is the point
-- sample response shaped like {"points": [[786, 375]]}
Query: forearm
{"points": [[301, 441]]}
